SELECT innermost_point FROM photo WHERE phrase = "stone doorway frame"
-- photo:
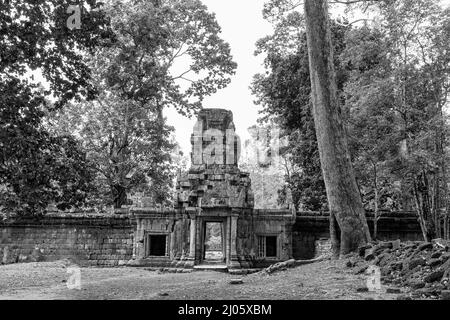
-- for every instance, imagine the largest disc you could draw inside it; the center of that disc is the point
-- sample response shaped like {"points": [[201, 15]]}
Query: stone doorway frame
{"points": [[205, 221], [229, 223]]}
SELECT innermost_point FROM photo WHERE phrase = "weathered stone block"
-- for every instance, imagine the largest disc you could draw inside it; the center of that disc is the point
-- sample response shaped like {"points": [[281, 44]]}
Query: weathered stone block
{"points": [[434, 276]]}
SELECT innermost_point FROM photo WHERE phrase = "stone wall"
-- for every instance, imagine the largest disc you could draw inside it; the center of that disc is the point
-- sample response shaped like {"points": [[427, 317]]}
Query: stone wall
{"points": [[310, 228], [159, 222], [265, 222], [108, 240], [95, 240], [323, 247]]}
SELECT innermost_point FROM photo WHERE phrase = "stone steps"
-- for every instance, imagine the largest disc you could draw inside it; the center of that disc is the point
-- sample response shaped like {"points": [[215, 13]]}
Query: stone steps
{"points": [[211, 267], [213, 262]]}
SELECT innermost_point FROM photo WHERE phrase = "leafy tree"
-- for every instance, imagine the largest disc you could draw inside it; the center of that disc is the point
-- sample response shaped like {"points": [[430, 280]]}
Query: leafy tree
{"points": [[153, 36], [126, 144], [392, 77], [35, 36], [37, 168], [348, 225], [124, 130], [372, 126], [284, 94], [265, 166], [399, 85]]}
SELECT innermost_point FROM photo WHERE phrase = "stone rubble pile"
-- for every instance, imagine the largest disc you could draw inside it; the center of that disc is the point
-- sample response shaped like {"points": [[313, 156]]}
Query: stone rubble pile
{"points": [[421, 268]]}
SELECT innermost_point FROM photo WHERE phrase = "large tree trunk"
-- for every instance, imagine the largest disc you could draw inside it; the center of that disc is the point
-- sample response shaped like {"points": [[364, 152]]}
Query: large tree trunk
{"points": [[420, 210], [119, 195], [442, 177], [376, 213], [343, 196], [446, 204], [335, 236]]}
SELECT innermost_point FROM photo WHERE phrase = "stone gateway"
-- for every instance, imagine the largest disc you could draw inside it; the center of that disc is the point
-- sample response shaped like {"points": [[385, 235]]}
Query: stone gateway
{"points": [[214, 190], [213, 224]]}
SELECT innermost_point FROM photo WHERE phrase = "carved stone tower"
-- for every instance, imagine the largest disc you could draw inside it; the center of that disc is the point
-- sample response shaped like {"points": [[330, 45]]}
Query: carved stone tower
{"points": [[214, 178], [213, 224]]}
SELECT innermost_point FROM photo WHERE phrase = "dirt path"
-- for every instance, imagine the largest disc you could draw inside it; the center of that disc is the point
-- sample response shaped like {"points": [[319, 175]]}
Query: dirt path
{"points": [[48, 280]]}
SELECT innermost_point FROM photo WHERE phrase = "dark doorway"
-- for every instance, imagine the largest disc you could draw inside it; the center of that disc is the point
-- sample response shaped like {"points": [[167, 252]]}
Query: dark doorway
{"points": [[213, 241], [271, 246], [157, 245]]}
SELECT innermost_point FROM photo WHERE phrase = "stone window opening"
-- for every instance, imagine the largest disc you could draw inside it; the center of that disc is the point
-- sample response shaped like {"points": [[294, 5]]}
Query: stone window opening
{"points": [[156, 245], [267, 246]]}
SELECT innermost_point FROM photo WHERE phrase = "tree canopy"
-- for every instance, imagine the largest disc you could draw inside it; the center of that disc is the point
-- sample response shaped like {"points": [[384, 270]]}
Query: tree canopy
{"points": [[36, 167], [105, 87], [124, 130], [392, 77]]}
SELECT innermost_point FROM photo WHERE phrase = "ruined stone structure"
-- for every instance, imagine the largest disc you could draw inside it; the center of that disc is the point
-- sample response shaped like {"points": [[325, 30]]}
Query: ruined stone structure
{"points": [[87, 239], [109, 240], [214, 192]]}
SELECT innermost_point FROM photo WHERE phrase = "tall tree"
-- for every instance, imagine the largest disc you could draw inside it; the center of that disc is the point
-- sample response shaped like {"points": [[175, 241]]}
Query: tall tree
{"points": [[128, 147], [37, 168], [393, 100], [284, 92], [168, 54], [373, 134], [348, 225], [137, 79], [399, 81]]}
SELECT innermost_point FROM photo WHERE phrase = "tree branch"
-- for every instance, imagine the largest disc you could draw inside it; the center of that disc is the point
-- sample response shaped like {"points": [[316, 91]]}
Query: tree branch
{"points": [[181, 75]]}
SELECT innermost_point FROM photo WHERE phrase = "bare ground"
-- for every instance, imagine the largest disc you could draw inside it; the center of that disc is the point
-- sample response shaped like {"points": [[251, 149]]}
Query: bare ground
{"points": [[48, 280]]}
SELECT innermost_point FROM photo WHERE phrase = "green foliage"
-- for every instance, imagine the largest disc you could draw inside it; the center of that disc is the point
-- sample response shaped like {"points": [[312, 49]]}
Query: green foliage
{"points": [[37, 168], [393, 82], [265, 168], [151, 40], [128, 146], [284, 94], [34, 35], [124, 130], [396, 95]]}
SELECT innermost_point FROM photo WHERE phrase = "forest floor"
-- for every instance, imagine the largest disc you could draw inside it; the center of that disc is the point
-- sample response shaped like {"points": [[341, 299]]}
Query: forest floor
{"points": [[48, 280]]}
